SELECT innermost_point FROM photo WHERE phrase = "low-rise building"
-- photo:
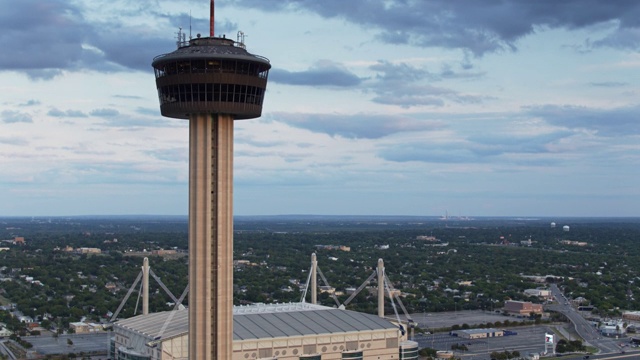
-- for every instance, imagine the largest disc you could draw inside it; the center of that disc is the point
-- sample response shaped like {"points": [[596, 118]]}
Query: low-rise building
{"points": [[477, 333], [631, 315], [541, 293], [80, 327], [88, 250], [521, 308], [4, 332], [161, 252]]}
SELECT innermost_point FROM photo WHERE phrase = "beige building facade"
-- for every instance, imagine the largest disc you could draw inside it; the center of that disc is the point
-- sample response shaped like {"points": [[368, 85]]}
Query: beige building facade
{"points": [[275, 331], [522, 308]]}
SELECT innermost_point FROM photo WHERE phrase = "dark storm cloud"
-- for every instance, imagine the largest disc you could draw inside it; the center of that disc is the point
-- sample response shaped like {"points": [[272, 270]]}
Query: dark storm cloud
{"points": [[324, 73], [10, 116], [476, 26], [132, 52], [43, 38], [68, 113], [606, 122], [393, 84], [356, 126], [40, 34]]}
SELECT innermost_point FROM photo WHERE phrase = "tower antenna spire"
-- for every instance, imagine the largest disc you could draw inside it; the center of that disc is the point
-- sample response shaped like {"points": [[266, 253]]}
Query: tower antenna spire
{"points": [[211, 18]]}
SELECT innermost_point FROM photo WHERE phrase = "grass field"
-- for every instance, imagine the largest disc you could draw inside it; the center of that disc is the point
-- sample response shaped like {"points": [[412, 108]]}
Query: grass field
{"points": [[4, 301]]}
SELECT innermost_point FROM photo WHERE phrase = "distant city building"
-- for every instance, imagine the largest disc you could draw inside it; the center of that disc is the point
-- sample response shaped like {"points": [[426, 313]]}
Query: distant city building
{"points": [[79, 327], [631, 315], [25, 319], [612, 328], [444, 354], [541, 293], [327, 289], [87, 250], [426, 238], [4, 332], [575, 243], [18, 240], [164, 252], [542, 278], [242, 263], [477, 333], [333, 247], [110, 286], [521, 307]]}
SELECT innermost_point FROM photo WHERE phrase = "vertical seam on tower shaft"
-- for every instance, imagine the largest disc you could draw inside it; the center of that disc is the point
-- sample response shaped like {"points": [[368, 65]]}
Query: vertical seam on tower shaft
{"points": [[214, 120]]}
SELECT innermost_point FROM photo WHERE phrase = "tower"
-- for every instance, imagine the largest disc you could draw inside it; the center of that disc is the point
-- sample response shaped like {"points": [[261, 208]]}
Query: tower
{"points": [[211, 81]]}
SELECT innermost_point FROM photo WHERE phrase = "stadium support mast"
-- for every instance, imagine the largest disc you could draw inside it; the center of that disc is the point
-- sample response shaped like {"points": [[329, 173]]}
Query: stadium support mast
{"points": [[381, 288]]}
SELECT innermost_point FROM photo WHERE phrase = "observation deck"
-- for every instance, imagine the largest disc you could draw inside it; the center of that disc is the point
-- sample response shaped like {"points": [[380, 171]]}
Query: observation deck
{"points": [[211, 75]]}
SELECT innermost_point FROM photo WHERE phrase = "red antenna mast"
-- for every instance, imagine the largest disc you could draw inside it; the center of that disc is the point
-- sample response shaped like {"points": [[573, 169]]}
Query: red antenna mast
{"points": [[211, 26]]}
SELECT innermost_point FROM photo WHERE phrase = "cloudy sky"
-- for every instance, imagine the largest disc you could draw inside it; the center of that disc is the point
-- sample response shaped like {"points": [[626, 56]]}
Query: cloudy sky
{"points": [[374, 107]]}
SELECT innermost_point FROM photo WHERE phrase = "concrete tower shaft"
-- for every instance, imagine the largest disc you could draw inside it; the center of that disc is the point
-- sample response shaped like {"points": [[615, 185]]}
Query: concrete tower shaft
{"points": [[211, 235], [211, 81]]}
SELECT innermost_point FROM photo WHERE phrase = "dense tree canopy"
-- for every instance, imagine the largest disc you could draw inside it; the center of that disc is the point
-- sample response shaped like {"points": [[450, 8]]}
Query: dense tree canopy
{"points": [[475, 264]]}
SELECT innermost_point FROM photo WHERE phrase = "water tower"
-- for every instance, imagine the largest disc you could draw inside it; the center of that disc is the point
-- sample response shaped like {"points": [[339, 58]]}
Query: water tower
{"points": [[211, 81]]}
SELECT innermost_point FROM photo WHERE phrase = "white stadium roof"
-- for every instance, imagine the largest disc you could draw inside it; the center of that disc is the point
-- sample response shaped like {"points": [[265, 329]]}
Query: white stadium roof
{"points": [[263, 321]]}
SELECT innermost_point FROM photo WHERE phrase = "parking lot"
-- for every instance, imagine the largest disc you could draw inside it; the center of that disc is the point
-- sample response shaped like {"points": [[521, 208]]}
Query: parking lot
{"points": [[450, 318], [80, 343], [528, 340]]}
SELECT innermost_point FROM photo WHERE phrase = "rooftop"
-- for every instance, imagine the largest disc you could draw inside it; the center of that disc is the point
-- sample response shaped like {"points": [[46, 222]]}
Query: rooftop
{"points": [[206, 48], [263, 321]]}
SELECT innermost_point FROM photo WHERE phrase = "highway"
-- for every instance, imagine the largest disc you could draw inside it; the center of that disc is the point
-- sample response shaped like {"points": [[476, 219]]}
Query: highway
{"points": [[582, 327], [6, 352]]}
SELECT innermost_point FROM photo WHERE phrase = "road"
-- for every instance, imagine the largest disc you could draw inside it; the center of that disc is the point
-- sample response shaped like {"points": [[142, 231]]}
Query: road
{"points": [[5, 351], [582, 327]]}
